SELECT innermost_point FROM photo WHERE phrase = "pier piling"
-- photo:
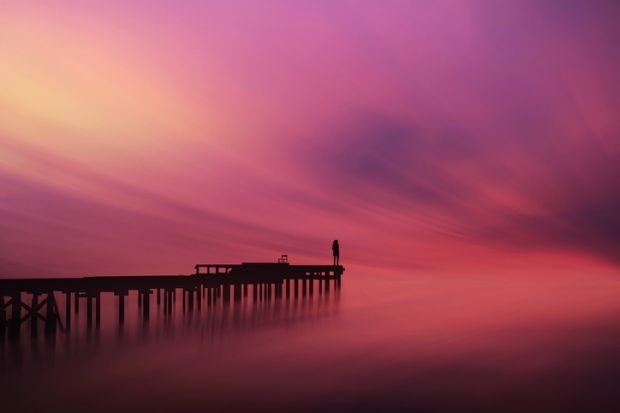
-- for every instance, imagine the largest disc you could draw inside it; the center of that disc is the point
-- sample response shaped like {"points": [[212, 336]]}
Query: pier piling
{"points": [[146, 303], [98, 308], [2, 316], [34, 310], [16, 309], [68, 310], [51, 316], [121, 306], [89, 310]]}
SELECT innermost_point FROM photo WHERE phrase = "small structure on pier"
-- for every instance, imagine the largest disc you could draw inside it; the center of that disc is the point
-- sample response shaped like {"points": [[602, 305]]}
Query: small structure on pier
{"points": [[280, 269]]}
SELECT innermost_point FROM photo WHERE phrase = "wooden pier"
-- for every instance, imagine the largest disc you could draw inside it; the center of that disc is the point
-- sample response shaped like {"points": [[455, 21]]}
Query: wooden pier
{"points": [[209, 283]]}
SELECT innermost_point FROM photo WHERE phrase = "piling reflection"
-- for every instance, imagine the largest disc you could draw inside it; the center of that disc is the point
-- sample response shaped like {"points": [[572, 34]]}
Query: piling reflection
{"points": [[213, 311]]}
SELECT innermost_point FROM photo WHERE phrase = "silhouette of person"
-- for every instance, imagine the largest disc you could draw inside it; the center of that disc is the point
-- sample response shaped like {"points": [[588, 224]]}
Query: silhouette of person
{"points": [[336, 251]]}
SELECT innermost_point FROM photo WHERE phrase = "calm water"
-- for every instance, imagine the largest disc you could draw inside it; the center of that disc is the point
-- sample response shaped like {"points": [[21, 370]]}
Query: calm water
{"points": [[397, 342]]}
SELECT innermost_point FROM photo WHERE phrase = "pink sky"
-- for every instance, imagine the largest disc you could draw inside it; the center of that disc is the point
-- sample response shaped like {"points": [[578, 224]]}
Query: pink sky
{"points": [[146, 136]]}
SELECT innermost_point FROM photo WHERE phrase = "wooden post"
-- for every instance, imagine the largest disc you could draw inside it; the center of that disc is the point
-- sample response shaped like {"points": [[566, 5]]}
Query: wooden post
{"points": [[98, 308], [288, 288], [311, 286], [89, 309], [77, 302], [190, 299], [169, 294], [34, 311], [146, 304], [68, 310], [158, 295], [296, 281], [121, 307], [50, 313], [16, 310], [2, 316]]}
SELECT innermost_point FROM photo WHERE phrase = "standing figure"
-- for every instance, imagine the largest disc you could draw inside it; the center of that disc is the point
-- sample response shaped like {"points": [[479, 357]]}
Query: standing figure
{"points": [[336, 251]]}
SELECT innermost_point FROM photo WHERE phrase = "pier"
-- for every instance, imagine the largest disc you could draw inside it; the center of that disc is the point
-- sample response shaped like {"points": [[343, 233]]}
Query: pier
{"points": [[34, 300]]}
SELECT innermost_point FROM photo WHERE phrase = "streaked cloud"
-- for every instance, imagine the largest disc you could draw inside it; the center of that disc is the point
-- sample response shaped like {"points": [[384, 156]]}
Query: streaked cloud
{"points": [[148, 135]]}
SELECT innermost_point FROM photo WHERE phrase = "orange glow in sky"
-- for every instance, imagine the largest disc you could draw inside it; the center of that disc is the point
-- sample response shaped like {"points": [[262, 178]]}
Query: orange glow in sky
{"points": [[143, 137]]}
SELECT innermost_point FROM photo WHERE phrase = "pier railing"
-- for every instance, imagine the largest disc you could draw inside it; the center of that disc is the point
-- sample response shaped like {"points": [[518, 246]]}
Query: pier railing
{"points": [[206, 269]]}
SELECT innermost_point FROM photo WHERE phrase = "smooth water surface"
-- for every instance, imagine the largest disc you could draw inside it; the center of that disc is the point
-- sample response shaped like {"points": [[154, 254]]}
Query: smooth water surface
{"points": [[397, 342]]}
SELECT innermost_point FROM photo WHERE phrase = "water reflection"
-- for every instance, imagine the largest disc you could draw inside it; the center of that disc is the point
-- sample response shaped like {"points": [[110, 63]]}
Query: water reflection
{"points": [[123, 320], [407, 343]]}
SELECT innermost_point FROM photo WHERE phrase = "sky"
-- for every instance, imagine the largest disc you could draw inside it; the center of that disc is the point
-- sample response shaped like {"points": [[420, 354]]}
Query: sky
{"points": [[142, 137]]}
